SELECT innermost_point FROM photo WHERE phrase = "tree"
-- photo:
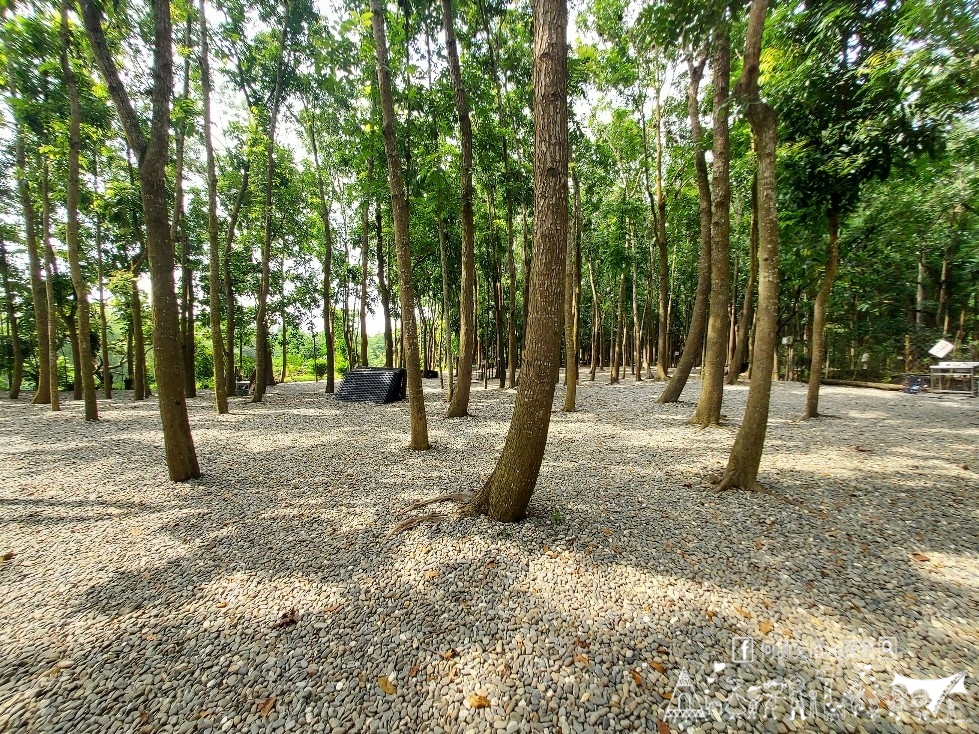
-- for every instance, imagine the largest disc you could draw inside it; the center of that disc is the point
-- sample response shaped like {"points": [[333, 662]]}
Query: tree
{"points": [[85, 360], [745, 458], [399, 206], [507, 492], [151, 150], [214, 259], [459, 401]]}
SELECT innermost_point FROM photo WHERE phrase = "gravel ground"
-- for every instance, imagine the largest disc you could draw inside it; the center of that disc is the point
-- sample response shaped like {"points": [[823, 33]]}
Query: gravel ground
{"points": [[623, 603]]}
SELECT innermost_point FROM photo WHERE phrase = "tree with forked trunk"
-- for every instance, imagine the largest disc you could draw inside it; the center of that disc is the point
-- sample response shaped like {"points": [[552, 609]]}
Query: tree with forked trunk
{"points": [[152, 151]]}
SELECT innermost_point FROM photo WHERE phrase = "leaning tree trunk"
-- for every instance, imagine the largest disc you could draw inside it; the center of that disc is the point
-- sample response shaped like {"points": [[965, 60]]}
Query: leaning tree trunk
{"points": [[742, 466], [459, 405], [506, 494], [819, 317], [708, 410], [17, 373], [152, 153], [42, 391], [748, 308], [695, 335], [50, 271], [399, 207], [86, 362], [214, 264]]}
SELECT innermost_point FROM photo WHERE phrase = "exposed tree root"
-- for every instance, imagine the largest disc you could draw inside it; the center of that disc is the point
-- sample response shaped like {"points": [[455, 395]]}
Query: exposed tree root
{"points": [[478, 503], [411, 522], [730, 481], [460, 497]]}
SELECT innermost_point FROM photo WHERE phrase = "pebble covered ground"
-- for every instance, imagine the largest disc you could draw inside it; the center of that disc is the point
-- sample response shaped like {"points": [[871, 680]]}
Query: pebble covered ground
{"points": [[270, 596]]}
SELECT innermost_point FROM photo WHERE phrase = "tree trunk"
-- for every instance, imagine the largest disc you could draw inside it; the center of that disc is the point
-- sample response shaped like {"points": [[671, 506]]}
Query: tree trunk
{"points": [[86, 379], [447, 325], [229, 290], [507, 493], [663, 331], [50, 271], [139, 347], [17, 373], [708, 410], [695, 335], [919, 302], [181, 455], [742, 466], [570, 320], [459, 405], [70, 318], [596, 339], [364, 244], [262, 351], [382, 286], [103, 321], [187, 338], [399, 207], [617, 335], [636, 351], [327, 264], [214, 261], [819, 316], [740, 356], [42, 391]]}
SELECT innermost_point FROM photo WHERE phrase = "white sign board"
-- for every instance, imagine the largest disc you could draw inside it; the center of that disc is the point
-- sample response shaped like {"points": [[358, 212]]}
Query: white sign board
{"points": [[942, 349]]}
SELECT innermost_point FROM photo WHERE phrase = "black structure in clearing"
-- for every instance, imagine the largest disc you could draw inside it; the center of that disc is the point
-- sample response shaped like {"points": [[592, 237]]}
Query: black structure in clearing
{"points": [[373, 385]]}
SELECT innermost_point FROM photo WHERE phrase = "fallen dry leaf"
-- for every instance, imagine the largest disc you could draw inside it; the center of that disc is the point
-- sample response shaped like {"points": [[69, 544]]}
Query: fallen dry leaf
{"points": [[862, 449], [637, 678], [743, 612], [431, 574], [287, 619], [581, 658], [449, 654], [710, 615], [919, 556], [765, 627], [606, 532], [221, 604], [8, 556], [266, 708], [662, 727], [759, 545], [413, 671], [658, 667], [386, 685], [478, 702], [491, 564]]}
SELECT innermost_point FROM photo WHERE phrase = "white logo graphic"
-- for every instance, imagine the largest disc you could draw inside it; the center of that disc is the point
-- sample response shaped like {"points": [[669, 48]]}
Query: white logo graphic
{"points": [[936, 689]]}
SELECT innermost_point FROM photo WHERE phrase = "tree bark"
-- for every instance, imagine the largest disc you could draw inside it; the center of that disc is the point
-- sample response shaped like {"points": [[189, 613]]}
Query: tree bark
{"points": [[81, 286], [695, 336], [459, 405], [570, 317], [663, 332], [399, 206], [327, 264], [747, 317], [103, 321], [214, 259], [616, 354], [745, 458], [364, 244], [506, 494], [596, 339], [140, 391], [229, 289], [819, 316], [152, 151], [17, 373], [383, 287], [262, 351], [50, 271], [708, 410]]}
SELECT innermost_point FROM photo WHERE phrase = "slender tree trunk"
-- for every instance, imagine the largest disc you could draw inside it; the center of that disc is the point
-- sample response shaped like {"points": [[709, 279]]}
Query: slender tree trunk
{"points": [[742, 466], [229, 289], [399, 206], [181, 455], [214, 258], [617, 336], [636, 351], [695, 335], [507, 492], [382, 286], [570, 317], [17, 373], [139, 347], [364, 244], [178, 234], [819, 316], [919, 303], [708, 410], [262, 351], [327, 263], [50, 271], [103, 321], [663, 332], [596, 339], [740, 356], [459, 405], [70, 319], [86, 379], [447, 325]]}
